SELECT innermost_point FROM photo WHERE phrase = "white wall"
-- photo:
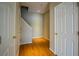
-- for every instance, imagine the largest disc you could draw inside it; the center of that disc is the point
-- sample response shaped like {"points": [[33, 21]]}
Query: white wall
{"points": [[35, 20], [46, 27], [31, 26], [26, 32]]}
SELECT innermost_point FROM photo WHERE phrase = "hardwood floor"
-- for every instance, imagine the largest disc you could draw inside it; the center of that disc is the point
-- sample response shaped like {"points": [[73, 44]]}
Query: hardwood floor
{"points": [[38, 47]]}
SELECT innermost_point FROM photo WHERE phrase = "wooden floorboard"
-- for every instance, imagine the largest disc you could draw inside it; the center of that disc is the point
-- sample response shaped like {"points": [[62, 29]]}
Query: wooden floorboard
{"points": [[38, 47]]}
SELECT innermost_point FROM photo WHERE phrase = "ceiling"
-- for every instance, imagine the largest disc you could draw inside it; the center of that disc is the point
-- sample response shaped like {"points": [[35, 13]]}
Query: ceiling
{"points": [[38, 7]]}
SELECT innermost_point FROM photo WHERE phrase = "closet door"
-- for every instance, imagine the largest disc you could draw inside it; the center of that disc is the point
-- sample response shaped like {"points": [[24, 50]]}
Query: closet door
{"points": [[64, 29], [4, 29], [7, 29]]}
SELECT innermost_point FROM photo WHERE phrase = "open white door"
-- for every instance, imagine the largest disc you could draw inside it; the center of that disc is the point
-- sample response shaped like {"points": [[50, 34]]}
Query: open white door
{"points": [[7, 28], [4, 29], [66, 29]]}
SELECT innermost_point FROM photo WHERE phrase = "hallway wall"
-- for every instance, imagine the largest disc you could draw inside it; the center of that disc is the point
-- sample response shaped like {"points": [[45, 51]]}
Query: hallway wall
{"points": [[26, 32], [37, 24], [35, 20], [46, 27]]}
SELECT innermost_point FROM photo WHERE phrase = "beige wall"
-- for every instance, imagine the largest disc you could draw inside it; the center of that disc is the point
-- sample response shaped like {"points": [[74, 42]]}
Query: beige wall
{"points": [[18, 28], [36, 21], [18, 22], [46, 26], [37, 25]]}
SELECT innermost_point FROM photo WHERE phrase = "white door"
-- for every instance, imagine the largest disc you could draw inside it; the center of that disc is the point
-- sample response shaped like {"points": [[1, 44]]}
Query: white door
{"points": [[7, 29], [66, 28], [4, 29]]}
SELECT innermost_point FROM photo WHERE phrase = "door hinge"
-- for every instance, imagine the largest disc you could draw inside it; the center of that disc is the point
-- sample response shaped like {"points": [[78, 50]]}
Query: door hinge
{"points": [[0, 39]]}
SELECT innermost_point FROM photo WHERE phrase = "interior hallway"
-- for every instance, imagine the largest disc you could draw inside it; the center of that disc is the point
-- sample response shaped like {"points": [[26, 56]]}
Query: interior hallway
{"points": [[38, 47]]}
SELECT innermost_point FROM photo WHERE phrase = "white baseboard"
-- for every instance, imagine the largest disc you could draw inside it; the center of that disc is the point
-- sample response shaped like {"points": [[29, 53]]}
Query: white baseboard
{"points": [[41, 37], [46, 38], [53, 51], [25, 43], [38, 37]]}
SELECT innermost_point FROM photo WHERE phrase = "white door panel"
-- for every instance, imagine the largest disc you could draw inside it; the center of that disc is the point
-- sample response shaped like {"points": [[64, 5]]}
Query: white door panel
{"points": [[4, 28], [64, 29], [7, 28]]}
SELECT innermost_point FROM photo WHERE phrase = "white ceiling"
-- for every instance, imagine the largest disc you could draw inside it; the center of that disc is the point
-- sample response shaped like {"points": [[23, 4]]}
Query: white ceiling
{"points": [[39, 7]]}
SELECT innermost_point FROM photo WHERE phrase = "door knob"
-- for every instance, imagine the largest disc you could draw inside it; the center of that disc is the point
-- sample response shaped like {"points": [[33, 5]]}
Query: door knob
{"points": [[14, 37], [56, 33], [78, 33]]}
